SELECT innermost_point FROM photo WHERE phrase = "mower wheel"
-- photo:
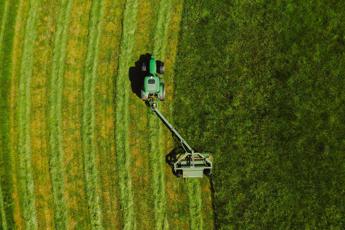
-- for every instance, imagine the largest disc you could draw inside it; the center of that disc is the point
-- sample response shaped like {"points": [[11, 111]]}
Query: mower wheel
{"points": [[160, 67], [143, 67]]}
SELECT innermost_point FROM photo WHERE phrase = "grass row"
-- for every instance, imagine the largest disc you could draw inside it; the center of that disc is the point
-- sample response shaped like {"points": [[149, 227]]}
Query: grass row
{"points": [[4, 184], [139, 145], [195, 204], [25, 167], [39, 119], [14, 72], [74, 177], [122, 114], [156, 135], [55, 110], [88, 121], [105, 112]]}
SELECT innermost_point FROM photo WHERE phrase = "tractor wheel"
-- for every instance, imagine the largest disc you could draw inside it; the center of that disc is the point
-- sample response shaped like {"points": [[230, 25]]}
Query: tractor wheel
{"points": [[207, 172], [161, 94], [160, 67], [143, 67], [178, 173]]}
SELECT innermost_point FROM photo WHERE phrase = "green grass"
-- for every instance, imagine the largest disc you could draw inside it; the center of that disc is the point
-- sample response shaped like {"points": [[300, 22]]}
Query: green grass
{"points": [[122, 123], [55, 110], [25, 168], [88, 124], [156, 147], [269, 79]]}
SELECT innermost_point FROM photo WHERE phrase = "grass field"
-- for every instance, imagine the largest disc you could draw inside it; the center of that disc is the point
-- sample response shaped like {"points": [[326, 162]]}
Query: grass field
{"points": [[79, 150], [259, 84]]}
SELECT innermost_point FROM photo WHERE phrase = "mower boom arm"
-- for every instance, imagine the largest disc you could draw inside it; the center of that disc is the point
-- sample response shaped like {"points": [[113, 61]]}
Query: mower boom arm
{"points": [[172, 129]]}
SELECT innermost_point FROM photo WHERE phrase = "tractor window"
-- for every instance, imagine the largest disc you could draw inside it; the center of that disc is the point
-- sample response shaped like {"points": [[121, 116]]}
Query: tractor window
{"points": [[151, 81]]}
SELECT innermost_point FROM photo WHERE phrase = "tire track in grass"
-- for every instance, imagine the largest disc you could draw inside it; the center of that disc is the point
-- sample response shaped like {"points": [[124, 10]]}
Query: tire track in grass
{"points": [[55, 116], [122, 114], [17, 50], [88, 122], [156, 138], [25, 167]]}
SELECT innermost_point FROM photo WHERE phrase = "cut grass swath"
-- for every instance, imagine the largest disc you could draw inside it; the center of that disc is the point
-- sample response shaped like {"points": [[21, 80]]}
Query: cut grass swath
{"points": [[156, 134], [25, 168], [14, 72], [55, 107], [122, 114], [3, 115], [195, 202], [88, 122]]}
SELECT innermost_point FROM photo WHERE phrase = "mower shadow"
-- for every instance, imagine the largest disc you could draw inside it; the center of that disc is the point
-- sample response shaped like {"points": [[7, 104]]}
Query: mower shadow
{"points": [[171, 158], [136, 76]]}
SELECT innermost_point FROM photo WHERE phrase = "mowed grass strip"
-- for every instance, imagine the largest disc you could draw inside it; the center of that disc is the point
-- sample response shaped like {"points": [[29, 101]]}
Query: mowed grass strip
{"points": [[138, 140], [111, 29], [78, 216], [195, 204], [88, 119], [16, 53], [176, 191], [43, 53], [55, 113], [156, 136], [25, 162], [5, 185], [122, 115]]}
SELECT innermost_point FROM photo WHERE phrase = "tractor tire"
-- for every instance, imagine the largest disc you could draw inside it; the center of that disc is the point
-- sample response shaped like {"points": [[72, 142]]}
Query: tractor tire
{"points": [[143, 67], [160, 67], [207, 172], [178, 173]]}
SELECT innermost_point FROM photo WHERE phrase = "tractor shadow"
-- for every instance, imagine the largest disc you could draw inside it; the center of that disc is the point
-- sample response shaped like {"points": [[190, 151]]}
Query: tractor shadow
{"points": [[136, 76]]}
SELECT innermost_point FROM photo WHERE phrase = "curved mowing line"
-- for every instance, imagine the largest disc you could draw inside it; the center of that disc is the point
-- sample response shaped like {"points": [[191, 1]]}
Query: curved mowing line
{"points": [[122, 114], [25, 167], [156, 140], [4, 19], [55, 107], [88, 123]]}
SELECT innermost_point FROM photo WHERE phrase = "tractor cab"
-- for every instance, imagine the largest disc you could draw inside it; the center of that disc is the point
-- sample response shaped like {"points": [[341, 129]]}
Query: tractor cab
{"points": [[153, 84]]}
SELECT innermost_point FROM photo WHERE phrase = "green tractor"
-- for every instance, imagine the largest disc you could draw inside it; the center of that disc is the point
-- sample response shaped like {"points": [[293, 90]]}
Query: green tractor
{"points": [[190, 164], [153, 84]]}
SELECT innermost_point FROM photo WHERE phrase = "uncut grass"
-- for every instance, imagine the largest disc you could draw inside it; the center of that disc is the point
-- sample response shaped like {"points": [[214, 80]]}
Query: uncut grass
{"points": [[123, 156], [105, 112], [138, 140], [43, 51], [78, 216], [17, 50], [28, 195]]}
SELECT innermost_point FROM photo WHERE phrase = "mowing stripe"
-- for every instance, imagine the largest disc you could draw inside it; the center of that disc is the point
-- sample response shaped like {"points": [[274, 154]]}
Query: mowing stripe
{"points": [[122, 114], [4, 106], [55, 120], [195, 204], [25, 167], [157, 149], [88, 122], [13, 109]]}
